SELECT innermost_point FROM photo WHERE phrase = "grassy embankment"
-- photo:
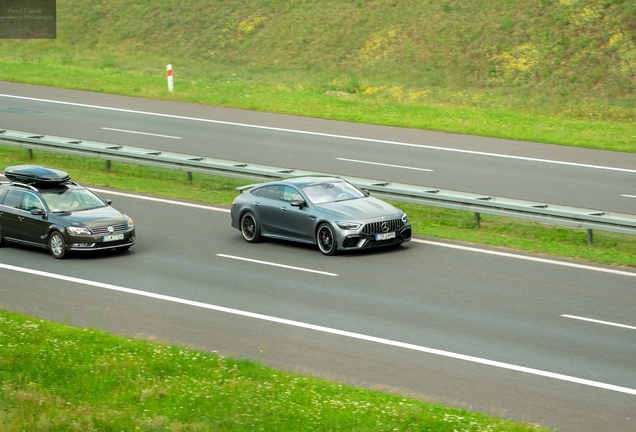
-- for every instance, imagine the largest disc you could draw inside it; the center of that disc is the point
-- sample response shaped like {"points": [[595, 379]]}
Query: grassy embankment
{"points": [[608, 248], [565, 74], [59, 378], [554, 72]]}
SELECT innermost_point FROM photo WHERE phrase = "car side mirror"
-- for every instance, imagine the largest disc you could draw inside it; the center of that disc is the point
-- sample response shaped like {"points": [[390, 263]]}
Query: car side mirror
{"points": [[108, 201], [37, 212], [366, 192], [298, 203]]}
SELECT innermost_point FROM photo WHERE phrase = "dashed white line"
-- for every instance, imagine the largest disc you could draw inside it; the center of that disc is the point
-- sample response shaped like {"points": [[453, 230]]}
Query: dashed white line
{"points": [[141, 133], [629, 196], [277, 265], [599, 321], [429, 242], [343, 333], [397, 143], [383, 164]]}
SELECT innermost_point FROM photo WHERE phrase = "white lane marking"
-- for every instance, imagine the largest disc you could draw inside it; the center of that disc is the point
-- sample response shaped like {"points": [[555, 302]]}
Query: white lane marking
{"points": [[383, 164], [277, 265], [599, 321], [629, 196], [528, 258], [333, 331], [324, 134], [141, 133], [429, 242], [161, 200]]}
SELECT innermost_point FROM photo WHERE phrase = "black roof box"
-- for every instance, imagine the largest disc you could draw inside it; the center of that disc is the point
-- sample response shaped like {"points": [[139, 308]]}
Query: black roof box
{"points": [[31, 174]]}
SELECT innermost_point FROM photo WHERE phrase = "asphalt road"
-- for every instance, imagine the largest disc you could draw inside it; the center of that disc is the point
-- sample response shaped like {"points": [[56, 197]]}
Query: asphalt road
{"points": [[544, 173], [525, 338], [508, 334]]}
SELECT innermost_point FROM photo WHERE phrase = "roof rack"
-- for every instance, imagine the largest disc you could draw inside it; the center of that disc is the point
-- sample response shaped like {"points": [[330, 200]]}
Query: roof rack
{"points": [[23, 185]]}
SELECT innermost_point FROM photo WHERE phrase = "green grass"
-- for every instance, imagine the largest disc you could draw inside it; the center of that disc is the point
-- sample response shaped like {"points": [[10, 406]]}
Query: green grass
{"points": [[551, 72], [608, 248], [270, 94], [55, 377]]}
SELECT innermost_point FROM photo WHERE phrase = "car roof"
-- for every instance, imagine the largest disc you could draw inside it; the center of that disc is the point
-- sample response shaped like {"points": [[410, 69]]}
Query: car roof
{"points": [[308, 180]]}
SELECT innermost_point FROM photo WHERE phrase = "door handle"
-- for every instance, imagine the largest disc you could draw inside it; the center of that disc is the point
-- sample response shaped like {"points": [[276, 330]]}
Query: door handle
{"points": [[283, 208], [256, 204], [21, 218]]}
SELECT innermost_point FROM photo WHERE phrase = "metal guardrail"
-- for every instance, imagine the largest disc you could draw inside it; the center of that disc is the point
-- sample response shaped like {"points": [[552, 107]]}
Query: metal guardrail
{"points": [[575, 217]]}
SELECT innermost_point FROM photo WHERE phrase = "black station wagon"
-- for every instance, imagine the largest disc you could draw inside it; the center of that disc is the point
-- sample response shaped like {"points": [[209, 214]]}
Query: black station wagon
{"points": [[40, 206]]}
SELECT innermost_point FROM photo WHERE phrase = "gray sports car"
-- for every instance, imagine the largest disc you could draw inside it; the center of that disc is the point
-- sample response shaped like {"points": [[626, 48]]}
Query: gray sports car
{"points": [[327, 211]]}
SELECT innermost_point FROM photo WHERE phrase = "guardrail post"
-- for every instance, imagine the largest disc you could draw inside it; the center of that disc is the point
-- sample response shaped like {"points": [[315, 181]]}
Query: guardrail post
{"points": [[190, 177], [477, 220], [30, 154], [590, 236], [107, 166]]}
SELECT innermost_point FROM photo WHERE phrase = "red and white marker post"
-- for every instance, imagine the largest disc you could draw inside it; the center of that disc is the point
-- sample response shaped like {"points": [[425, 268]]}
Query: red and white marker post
{"points": [[169, 74]]}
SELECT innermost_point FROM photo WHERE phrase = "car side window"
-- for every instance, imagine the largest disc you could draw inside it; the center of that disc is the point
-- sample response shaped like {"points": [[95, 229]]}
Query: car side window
{"points": [[31, 202], [261, 192], [13, 198], [291, 194], [275, 192]]}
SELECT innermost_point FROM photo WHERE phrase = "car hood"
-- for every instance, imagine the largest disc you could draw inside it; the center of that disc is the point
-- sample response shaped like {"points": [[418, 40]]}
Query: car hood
{"points": [[100, 216], [359, 209]]}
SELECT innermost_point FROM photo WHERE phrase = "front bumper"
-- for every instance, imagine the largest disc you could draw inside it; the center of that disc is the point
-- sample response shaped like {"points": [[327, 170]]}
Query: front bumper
{"points": [[354, 241], [98, 242]]}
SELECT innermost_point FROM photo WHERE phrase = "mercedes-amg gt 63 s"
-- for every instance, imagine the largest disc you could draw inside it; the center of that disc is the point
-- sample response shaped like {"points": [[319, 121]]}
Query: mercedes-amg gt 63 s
{"points": [[327, 211], [40, 206]]}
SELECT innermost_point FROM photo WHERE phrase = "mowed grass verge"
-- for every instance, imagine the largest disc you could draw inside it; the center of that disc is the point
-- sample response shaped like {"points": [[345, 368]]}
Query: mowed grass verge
{"points": [[286, 92], [608, 248], [62, 378]]}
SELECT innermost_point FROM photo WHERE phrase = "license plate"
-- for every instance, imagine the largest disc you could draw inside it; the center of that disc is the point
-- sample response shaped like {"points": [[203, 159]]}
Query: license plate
{"points": [[113, 237], [385, 236]]}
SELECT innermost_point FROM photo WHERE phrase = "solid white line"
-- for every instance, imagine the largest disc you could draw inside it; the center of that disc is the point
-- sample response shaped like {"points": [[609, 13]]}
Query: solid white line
{"points": [[277, 265], [383, 164], [141, 133], [429, 242], [599, 322], [629, 196], [161, 200], [528, 258], [414, 240], [324, 134], [333, 331]]}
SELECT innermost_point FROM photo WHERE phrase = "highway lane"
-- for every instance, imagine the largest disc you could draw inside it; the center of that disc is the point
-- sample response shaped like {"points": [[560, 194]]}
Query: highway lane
{"points": [[491, 306], [545, 173]]}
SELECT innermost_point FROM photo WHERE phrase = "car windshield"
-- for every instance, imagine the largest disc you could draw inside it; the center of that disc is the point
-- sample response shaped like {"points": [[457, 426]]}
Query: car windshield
{"points": [[71, 200], [320, 193]]}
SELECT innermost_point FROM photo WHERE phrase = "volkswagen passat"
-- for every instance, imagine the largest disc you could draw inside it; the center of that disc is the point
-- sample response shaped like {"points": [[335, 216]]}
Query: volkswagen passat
{"points": [[327, 211], [42, 207]]}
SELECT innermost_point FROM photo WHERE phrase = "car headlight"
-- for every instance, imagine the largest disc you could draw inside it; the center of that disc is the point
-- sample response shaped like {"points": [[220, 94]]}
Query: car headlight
{"points": [[78, 231], [405, 218], [348, 225], [131, 224]]}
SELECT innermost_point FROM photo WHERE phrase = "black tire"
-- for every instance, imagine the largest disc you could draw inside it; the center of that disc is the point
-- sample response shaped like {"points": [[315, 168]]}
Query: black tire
{"points": [[57, 245], [250, 227], [3, 242], [326, 239]]}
